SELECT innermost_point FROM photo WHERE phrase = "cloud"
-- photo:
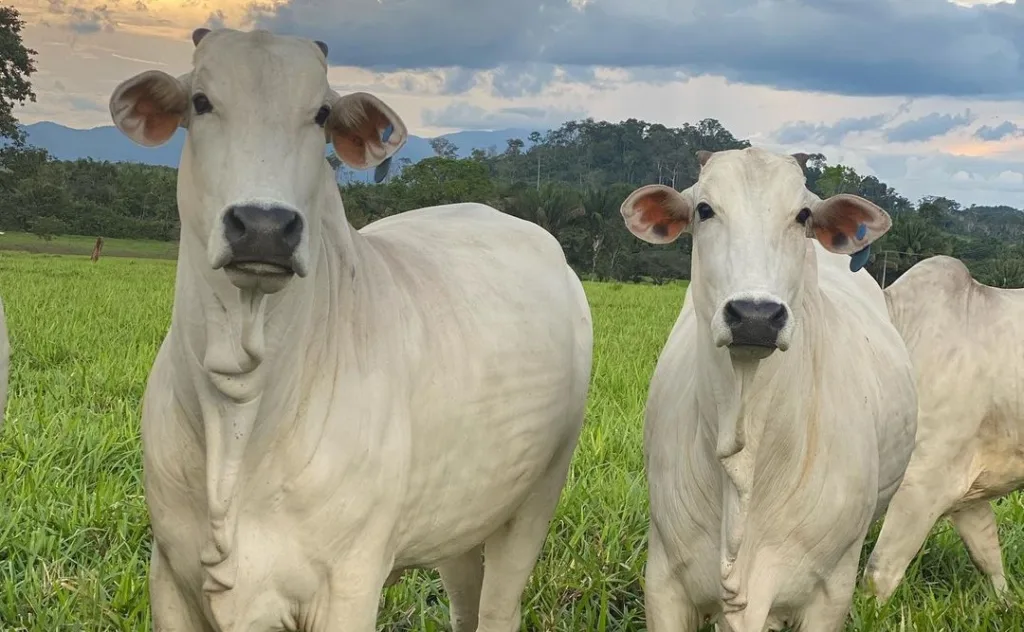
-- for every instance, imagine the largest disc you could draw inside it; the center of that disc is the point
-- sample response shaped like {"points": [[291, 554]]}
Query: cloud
{"points": [[464, 115], [798, 132], [216, 20], [803, 132], [84, 20], [868, 47], [83, 103], [999, 132], [928, 127], [969, 179]]}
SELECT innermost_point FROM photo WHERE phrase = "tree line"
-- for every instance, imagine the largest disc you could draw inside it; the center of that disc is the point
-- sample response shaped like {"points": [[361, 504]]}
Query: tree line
{"points": [[570, 181]]}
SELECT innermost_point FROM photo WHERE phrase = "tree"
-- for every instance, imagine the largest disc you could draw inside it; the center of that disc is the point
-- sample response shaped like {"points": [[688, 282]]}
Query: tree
{"points": [[16, 64], [47, 226], [444, 148]]}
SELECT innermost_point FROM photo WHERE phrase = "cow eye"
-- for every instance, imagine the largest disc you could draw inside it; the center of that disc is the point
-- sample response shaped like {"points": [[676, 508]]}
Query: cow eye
{"points": [[803, 215], [201, 104], [705, 211], [322, 114]]}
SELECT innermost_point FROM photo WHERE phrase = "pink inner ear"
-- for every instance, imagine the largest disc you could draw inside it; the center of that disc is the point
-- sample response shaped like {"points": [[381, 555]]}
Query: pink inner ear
{"points": [[351, 149], [652, 214], [350, 138], [837, 226], [158, 122]]}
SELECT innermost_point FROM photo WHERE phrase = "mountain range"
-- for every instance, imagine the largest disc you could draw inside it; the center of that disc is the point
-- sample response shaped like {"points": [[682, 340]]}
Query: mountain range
{"points": [[109, 144]]}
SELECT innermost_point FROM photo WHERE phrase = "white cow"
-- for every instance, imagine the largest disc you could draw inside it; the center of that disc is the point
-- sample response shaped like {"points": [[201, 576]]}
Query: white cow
{"points": [[5, 363], [412, 398], [781, 413], [966, 341]]}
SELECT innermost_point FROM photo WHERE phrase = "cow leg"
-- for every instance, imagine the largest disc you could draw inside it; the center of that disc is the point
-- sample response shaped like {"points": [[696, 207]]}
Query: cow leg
{"points": [[976, 525], [354, 597], [510, 553], [172, 611], [463, 578], [923, 497], [668, 609], [830, 605]]}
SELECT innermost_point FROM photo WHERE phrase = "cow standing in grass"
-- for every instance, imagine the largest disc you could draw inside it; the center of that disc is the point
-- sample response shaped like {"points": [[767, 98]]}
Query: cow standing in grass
{"points": [[781, 413], [333, 405], [966, 341]]}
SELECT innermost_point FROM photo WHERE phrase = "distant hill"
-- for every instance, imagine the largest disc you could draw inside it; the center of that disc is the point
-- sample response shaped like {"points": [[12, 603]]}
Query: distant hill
{"points": [[107, 143]]}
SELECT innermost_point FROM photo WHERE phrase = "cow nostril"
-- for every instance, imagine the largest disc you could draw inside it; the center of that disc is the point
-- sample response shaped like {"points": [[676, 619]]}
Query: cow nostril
{"points": [[732, 314], [778, 317], [292, 231], [234, 226]]}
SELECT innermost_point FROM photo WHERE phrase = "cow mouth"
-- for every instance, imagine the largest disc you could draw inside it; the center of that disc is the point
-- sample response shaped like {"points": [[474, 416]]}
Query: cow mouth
{"points": [[261, 268], [267, 277], [752, 350]]}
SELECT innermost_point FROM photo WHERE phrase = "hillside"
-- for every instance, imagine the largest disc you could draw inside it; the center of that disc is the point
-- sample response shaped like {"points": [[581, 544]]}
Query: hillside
{"points": [[106, 143]]}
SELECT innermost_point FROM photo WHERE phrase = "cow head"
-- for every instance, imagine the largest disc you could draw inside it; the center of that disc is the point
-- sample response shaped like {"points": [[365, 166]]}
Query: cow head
{"points": [[750, 214], [253, 176]]}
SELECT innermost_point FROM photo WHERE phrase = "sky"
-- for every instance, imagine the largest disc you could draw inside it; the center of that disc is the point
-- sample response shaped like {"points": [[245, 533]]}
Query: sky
{"points": [[924, 94]]}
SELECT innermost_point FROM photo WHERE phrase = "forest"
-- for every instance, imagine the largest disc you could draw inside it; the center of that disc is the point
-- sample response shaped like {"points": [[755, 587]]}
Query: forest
{"points": [[570, 181]]}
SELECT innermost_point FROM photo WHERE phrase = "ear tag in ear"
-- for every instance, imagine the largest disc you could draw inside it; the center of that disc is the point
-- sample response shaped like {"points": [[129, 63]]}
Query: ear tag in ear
{"points": [[861, 231], [382, 169], [859, 258]]}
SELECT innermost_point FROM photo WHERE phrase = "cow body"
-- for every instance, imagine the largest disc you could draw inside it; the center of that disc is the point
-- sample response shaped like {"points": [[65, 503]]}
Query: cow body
{"points": [[770, 447], [331, 406], [965, 340], [829, 425]]}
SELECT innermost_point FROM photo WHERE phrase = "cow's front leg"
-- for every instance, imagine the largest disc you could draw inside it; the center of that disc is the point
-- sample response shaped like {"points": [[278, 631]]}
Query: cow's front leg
{"points": [[353, 598], [172, 610]]}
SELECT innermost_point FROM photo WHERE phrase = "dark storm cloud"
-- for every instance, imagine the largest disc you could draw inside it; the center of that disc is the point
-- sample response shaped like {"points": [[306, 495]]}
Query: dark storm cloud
{"points": [[850, 47], [992, 133], [927, 127]]}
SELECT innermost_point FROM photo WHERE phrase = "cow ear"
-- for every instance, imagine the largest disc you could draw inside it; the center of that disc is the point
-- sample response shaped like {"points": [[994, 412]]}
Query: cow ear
{"points": [[846, 224], [358, 127], [657, 214], [149, 107]]}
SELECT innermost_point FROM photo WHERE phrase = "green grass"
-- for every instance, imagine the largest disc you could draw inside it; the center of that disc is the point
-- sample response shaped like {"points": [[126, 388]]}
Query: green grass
{"points": [[83, 245], [74, 535]]}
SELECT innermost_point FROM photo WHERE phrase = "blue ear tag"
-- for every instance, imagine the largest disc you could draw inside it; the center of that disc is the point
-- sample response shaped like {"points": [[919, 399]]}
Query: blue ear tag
{"points": [[382, 169], [861, 231], [859, 258]]}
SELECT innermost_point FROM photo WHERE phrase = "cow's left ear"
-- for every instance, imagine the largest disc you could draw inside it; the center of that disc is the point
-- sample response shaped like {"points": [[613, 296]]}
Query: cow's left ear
{"points": [[358, 129], [846, 224]]}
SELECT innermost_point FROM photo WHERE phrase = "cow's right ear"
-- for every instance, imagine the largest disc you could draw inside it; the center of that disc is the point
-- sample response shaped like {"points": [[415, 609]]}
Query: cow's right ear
{"points": [[657, 214], [364, 130], [149, 107]]}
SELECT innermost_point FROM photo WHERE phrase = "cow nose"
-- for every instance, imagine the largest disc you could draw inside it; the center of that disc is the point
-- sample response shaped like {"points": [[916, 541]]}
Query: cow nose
{"points": [[262, 235], [755, 323]]}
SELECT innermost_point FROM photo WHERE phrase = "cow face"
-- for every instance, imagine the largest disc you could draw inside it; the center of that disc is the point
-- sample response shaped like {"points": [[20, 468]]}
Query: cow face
{"points": [[253, 175], [750, 214]]}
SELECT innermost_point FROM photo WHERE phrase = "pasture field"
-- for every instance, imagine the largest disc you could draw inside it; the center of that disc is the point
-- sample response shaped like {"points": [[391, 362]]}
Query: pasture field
{"points": [[74, 535], [81, 245]]}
